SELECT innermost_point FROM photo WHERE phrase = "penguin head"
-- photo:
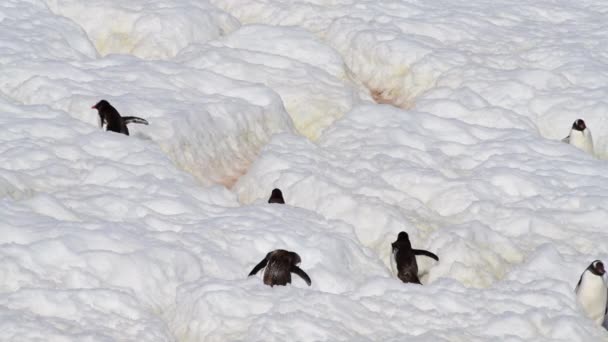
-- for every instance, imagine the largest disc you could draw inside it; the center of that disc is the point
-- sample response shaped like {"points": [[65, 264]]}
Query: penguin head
{"points": [[403, 236], [101, 105], [579, 125], [276, 197], [597, 268], [295, 258], [291, 258]]}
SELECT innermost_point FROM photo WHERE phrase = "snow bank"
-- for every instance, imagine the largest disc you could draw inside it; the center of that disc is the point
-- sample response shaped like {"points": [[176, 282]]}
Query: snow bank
{"points": [[151, 29], [213, 130], [310, 77], [238, 117], [486, 200], [421, 172], [527, 65]]}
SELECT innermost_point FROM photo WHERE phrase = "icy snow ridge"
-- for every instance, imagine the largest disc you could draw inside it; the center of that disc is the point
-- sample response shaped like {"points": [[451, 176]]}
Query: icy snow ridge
{"points": [[150, 237]]}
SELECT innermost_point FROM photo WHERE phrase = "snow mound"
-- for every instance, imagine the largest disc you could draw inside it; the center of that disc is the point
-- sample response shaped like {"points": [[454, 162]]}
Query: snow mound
{"points": [[381, 309], [311, 78], [150, 29], [213, 130], [57, 37], [471, 193], [531, 66]]}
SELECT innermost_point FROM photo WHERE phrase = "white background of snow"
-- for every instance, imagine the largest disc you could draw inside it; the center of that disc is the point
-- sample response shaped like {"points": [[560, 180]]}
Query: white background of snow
{"points": [[105, 237]]}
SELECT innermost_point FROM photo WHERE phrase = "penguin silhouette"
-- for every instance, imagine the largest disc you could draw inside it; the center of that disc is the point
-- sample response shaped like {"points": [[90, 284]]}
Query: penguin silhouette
{"points": [[114, 121], [403, 261], [276, 197], [279, 265], [580, 136], [591, 291]]}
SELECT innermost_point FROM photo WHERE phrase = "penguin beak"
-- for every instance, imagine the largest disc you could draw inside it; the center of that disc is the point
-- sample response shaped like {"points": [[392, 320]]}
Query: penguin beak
{"points": [[94, 107]]}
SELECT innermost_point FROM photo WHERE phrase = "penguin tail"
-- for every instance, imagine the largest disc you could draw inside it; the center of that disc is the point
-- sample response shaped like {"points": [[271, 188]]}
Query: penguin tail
{"points": [[409, 278], [134, 119]]}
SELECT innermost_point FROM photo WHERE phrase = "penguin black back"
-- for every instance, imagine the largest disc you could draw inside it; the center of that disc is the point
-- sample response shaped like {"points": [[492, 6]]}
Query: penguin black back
{"points": [[276, 197], [279, 265], [109, 115], [404, 258], [115, 122]]}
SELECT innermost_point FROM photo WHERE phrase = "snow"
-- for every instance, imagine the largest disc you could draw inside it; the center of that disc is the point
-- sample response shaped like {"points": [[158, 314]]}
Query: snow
{"points": [[315, 88], [441, 119]]}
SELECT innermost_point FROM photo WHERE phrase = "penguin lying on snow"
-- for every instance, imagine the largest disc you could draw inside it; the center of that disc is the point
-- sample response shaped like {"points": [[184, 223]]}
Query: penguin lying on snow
{"points": [[403, 261], [276, 197], [591, 292], [115, 122], [580, 136], [279, 266]]}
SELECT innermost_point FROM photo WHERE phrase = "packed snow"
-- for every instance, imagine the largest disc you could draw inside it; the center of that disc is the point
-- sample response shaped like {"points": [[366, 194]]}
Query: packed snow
{"points": [[443, 119]]}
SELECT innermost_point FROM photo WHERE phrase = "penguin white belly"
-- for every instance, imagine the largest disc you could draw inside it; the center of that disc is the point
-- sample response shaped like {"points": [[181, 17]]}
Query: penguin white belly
{"points": [[592, 295], [582, 140], [393, 262]]}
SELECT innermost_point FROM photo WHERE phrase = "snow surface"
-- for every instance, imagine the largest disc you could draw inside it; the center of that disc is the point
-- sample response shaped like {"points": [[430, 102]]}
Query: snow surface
{"points": [[440, 118]]}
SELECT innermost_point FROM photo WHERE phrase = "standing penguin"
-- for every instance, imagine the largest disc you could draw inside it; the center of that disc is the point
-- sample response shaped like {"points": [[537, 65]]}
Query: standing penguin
{"points": [[580, 136], [112, 118], [403, 261], [279, 266], [276, 197], [591, 292]]}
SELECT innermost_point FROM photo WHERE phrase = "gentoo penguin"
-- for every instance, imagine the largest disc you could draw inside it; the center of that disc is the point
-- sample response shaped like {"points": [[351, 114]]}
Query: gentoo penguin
{"points": [[279, 266], [112, 118], [403, 262], [276, 197], [580, 136], [591, 292]]}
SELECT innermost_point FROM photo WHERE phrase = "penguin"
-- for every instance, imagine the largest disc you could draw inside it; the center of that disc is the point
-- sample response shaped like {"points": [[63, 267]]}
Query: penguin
{"points": [[279, 266], [115, 122], [580, 136], [403, 261], [276, 197], [591, 292]]}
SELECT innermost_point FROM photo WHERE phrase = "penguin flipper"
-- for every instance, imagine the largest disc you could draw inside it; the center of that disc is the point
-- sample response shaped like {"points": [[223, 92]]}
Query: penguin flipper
{"points": [[579, 283], [566, 140], [425, 253], [301, 273], [258, 267], [101, 120], [134, 119]]}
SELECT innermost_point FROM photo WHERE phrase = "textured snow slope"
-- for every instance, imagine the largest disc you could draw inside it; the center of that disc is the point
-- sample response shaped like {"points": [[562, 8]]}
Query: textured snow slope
{"points": [[150, 237], [510, 63]]}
